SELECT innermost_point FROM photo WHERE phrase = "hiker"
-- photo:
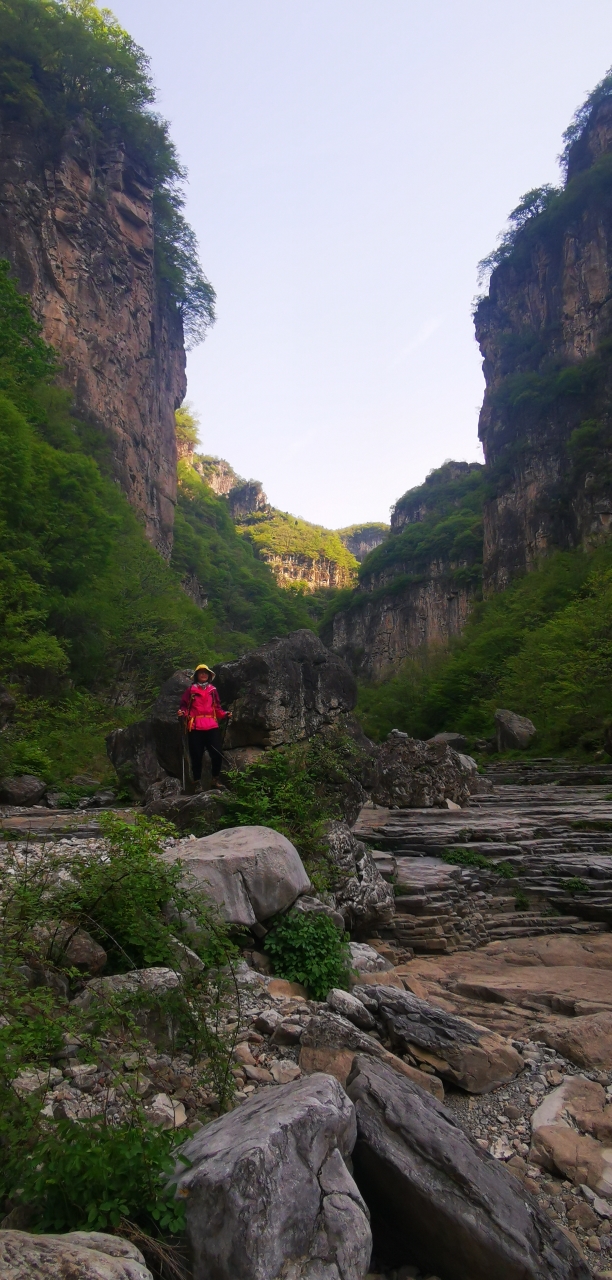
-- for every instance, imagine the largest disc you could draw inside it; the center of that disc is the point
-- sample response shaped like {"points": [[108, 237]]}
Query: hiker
{"points": [[202, 713]]}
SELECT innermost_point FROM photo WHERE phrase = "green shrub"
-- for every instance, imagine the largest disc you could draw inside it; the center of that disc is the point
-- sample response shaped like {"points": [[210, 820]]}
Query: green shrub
{"points": [[575, 885], [306, 947], [91, 1176]]}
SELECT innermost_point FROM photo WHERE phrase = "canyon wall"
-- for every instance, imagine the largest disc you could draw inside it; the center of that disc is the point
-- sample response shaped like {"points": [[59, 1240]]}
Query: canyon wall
{"points": [[312, 573], [545, 332], [78, 233], [417, 587], [360, 539]]}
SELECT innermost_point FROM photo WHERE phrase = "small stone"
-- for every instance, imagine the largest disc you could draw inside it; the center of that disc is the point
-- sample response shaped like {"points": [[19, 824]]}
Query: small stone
{"points": [[243, 1054], [259, 1074], [513, 1113], [283, 1071], [594, 1244], [280, 987], [167, 1113], [288, 1033], [582, 1215], [266, 1021]]}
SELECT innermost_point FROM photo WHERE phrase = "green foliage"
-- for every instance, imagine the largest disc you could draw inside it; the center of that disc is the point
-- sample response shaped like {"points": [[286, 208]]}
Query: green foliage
{"points": [[521, 901], [575, 885], [94, 1174], [296, 790], [187, 423], [470, 858], [246, 600], [91, 1177], [543, 647], [531, 205], [306, 947], [69, 63], [443, 524], [278, 533], [576, 130]]}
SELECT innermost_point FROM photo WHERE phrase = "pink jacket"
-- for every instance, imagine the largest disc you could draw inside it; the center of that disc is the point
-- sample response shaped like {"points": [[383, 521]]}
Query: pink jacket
{"points": [[200, 703]]}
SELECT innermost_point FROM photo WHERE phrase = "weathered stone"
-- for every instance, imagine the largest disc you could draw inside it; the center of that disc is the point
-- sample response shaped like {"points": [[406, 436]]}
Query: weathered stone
{"points": [[361, 895], [307, 905], [438, 1199], [330, 1042], [418, 775], [366, 960], [454, 740], [461, 1052], [78, 1255], [24, 790], [284, 1071], [165, 1112], [514, 733], [251, 873], [185, 811], [140, 989], [586, 1041], [285, 691], [569, 1132], [350, 1007], [268, 1193], [66, 945]]}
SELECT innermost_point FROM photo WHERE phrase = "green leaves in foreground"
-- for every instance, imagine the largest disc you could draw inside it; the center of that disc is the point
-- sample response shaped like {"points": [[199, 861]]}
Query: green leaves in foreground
{"points": [[308, 948]]}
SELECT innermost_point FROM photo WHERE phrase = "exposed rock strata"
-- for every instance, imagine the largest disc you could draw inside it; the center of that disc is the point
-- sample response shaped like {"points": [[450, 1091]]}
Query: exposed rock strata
{"points": [[79, 235], [548, 309]]}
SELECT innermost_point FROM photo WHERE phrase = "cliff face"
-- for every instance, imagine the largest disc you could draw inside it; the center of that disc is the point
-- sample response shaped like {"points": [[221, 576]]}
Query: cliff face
{"points": [[312, 573], [545, 333], [79, 236], [417, 587], [362, 538]]}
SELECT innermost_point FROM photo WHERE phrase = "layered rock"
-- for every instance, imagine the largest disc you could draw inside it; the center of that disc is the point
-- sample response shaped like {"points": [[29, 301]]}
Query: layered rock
{"points": [[84, 1255], [79, 235], [543, 331], [360, 539], [436, 1199]]}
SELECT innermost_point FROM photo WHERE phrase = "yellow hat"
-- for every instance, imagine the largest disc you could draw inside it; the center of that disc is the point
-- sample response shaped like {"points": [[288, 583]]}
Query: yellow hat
{"points": [[203, 667]]}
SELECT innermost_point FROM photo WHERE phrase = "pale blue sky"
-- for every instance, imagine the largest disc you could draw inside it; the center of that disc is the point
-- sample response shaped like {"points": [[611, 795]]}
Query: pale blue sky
{"points": [[350, 161]]}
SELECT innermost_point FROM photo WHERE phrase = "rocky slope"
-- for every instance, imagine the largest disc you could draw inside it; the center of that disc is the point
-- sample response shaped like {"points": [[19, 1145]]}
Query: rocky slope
{"points": [[544, 330], [417, 586], [360, 539], [78, 233]]}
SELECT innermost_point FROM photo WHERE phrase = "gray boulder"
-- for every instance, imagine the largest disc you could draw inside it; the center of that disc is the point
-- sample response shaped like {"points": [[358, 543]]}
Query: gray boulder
{"points": [[184, 810], [362, 897], [419, 775], [437, 1199], [78, 1255], [285, 691], [461, 1052], [366, 960], [454, 740], [24, 790], [268, 1193], [252, 873], [152, 750], [514, 733]]}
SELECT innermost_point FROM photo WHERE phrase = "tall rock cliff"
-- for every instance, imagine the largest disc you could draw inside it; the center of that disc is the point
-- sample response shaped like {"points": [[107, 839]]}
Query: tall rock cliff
{"points": [[545, 332], [78, 232], [416, 588]]}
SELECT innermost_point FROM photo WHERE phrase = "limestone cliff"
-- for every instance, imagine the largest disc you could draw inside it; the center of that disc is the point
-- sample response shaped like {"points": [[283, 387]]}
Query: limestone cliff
{"points": [[416, 588], [545, 332], [311, 573], [78, 232], [360, 539]]}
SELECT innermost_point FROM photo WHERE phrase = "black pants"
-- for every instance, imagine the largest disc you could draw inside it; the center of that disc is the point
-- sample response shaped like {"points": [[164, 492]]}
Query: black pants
{"points": [[201, 740]]}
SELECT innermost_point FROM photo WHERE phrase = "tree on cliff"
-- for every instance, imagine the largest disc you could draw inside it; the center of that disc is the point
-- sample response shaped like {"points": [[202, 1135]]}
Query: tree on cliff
{"points": [[64, 62]]}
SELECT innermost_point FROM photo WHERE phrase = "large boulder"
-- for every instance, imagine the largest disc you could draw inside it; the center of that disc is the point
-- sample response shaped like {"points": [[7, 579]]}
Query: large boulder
{"points": [[330, 1041], [285, 691], [252, 873], [419, 775], [150, 750], [78, 1255], [513, 733], [460, 1052], [268, 1193], [587, 1041], [24, 790], [362, 897], [437, 1199]]}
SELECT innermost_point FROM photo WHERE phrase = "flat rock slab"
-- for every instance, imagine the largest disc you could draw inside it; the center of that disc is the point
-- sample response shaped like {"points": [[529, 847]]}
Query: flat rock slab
{"points": [[78, 1255], [437, 1199], [250, 872], [460, 1051], [268, 1193], [586, 1041]]}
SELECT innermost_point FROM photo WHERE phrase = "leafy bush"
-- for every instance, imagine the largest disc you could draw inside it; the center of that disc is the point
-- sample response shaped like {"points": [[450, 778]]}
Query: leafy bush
{"points": [[91, 1176], [306, 947], [296, 790], [575, 885]]}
